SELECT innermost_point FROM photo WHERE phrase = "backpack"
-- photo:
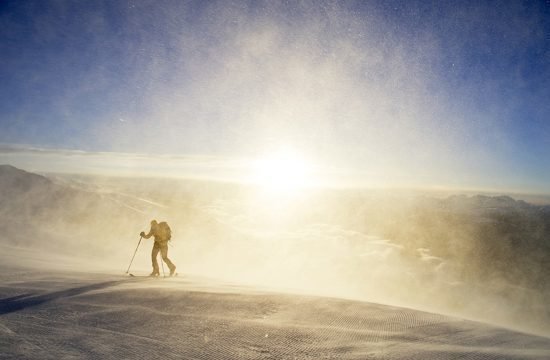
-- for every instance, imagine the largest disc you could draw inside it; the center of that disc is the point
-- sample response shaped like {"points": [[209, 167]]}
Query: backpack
{"points": [[164, 231]]}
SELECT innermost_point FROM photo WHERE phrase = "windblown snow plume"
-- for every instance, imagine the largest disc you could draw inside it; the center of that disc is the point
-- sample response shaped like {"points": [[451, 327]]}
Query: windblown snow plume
{"points": [[476, 256]]}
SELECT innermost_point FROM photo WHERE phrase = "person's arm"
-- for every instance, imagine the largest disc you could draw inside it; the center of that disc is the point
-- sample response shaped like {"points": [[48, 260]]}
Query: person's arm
{"points": [[142, 234]]}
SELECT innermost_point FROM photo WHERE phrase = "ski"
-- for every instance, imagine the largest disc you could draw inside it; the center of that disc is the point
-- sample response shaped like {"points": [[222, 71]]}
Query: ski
{"points": [[155, 277]]}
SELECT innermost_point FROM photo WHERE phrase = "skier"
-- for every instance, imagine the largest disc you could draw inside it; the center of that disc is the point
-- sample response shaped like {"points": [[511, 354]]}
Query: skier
{"points": [[162, 234]]}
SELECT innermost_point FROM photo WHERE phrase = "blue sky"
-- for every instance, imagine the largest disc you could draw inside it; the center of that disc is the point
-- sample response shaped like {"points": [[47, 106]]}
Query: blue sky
{"points": [[397, 93]]}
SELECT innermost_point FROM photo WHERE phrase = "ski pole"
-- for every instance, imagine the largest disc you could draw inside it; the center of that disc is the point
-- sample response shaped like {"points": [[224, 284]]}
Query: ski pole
{"points": [[161, 264], [131, 261]]}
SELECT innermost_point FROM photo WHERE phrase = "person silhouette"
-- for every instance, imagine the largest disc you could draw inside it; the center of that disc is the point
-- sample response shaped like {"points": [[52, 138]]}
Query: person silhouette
{"points": [[162, 234]]}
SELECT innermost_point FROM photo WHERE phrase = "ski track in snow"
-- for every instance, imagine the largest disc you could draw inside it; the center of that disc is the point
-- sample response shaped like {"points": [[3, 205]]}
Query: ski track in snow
{"points": [[87, 316]]}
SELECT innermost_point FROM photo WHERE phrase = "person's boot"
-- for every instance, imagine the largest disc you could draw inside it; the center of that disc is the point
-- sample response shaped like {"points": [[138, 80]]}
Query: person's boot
{"points": [[154, 273], [172, 270]]}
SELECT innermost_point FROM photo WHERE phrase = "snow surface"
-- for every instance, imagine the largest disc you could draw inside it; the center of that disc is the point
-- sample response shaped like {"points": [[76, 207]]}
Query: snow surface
{"points": [[61, 314]]}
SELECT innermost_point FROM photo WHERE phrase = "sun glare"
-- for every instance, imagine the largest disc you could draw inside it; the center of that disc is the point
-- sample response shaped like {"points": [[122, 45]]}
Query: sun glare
{"points": [[282, 171]]}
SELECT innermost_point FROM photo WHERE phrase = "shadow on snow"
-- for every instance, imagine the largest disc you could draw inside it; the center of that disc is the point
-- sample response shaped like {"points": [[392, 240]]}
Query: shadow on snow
{"points": [[21, 302]]}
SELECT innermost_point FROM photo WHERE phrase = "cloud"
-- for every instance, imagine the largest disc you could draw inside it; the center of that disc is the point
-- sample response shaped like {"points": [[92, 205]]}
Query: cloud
{"points": [[122, 164]]}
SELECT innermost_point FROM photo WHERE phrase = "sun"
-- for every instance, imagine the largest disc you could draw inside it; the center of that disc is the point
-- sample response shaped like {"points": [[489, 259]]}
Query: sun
{"points": [[283, 171]]}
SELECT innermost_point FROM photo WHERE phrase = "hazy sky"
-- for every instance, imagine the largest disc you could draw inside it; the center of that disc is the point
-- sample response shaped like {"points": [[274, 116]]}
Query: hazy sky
{"points": [[391, 93]]}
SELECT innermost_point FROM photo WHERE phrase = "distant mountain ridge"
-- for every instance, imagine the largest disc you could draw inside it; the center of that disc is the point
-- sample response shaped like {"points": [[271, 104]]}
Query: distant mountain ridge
{"points": [[14, 179], [33, 207], [488, 201]]}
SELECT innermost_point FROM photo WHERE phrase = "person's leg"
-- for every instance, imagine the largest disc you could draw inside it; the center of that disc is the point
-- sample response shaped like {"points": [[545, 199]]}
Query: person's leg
{"points": [[154, 254], [164, 253]]}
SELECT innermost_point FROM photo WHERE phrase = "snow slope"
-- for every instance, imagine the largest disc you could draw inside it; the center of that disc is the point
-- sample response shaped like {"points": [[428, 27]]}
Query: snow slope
{"points": [[61, 315]]}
